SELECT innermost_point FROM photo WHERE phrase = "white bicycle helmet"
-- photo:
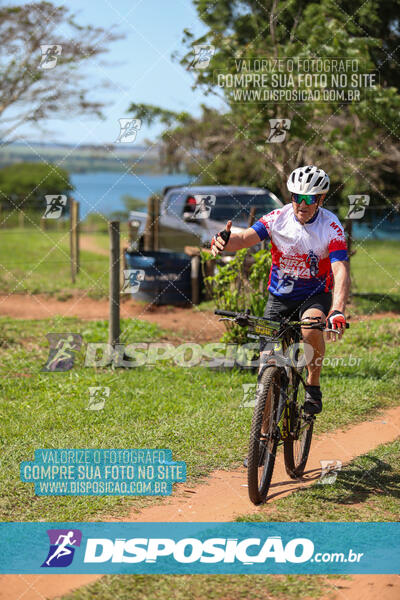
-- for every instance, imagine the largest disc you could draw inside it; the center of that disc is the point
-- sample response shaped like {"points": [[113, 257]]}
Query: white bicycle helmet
{"points": [[308, 180]]}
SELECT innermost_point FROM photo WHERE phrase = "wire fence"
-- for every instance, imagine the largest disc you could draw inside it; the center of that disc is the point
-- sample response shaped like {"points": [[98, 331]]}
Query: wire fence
{"points": [[50, 255]]}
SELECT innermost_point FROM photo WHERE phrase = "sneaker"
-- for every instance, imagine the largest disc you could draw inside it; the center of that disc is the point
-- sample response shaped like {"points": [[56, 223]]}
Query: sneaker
{"points": [[313, 400]]}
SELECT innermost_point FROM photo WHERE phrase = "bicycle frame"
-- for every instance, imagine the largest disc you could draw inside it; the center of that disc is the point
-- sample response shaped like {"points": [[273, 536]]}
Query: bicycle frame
{"points": [[286, 421], [282, 333]]}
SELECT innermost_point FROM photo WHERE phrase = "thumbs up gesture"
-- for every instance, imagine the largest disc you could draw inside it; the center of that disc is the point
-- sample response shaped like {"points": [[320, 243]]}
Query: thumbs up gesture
{"points": [[220, 240]]}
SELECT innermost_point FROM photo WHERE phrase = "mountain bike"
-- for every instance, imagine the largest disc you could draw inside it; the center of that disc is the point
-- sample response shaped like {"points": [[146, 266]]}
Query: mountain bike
{"points": [[279, 417]]}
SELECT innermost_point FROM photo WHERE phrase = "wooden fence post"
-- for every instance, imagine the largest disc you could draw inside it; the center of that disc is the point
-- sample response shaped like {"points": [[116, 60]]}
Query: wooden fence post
{"points": [[151, 240], [72, 243], [148, 232], [195, 278], [74, 238], [77, 232], [252, 215], [156, 215], [114, 295]]}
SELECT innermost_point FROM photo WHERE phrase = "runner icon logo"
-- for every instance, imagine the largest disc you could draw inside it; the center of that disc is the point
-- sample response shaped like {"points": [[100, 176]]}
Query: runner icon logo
{"points": [[50, 54], [279, 128], [202, 56], [128, 129], [54, 206], [357, 206], [62, 547], [132, 280], [62, 351], [285, 282], [204, 203], [329, 471], [98, 397]]}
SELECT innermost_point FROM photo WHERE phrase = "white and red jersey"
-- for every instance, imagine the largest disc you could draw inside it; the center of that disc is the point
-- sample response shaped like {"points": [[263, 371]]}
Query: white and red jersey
{"points": [[302, 254]]}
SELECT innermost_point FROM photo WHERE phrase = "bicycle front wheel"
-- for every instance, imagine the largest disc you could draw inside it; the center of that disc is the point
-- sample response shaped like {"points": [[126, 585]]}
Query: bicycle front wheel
{"points": [[264, 435], [297, 444]]}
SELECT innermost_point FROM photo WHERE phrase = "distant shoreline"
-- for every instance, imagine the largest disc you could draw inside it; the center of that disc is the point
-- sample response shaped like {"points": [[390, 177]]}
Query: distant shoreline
{"points": [[85, 159]]}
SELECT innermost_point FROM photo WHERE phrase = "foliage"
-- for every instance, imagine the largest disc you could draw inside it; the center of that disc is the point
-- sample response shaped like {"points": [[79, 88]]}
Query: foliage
{"points": [[31, 94], [356, 143], [239, 284], [130, 203], [24, 185]]}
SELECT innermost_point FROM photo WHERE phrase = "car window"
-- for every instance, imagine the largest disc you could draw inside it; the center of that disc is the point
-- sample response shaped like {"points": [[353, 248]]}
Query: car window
{"points": [[175, 203], [237, 206]]}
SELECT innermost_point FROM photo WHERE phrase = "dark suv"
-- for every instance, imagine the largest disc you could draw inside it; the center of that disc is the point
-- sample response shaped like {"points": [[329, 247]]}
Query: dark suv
{"points": [[190, 216]]}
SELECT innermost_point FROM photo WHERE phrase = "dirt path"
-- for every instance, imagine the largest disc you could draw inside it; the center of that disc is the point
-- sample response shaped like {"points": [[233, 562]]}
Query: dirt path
{"points": [[189, 323], [223, 496]]}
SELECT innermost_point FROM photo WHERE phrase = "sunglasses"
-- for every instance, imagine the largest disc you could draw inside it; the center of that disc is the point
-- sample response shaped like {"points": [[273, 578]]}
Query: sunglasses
{"points": [[308, 198]]}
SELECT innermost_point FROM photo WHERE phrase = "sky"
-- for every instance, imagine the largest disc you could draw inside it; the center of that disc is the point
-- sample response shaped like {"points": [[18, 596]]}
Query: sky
{"points": [[140, 64]]}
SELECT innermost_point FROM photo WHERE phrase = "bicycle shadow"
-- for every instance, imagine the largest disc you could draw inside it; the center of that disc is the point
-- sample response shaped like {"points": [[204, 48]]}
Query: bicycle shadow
{"points": [[367, 476], [292, 485]]}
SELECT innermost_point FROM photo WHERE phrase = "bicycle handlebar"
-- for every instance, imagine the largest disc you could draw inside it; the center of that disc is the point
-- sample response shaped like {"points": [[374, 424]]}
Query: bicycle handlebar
{"points": [[225, 313], [229, 313]]}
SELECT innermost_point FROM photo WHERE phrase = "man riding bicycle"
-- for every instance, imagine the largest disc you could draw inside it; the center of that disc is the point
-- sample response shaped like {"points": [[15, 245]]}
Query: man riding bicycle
{"points": [[309, 276]]}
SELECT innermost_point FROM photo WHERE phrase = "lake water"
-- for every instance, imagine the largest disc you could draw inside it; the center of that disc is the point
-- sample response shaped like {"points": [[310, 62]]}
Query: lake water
{"points": [[102, 191]]}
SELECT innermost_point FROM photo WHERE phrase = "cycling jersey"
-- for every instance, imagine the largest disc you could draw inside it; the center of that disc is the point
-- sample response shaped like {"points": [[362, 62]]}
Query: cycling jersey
{"points": [[302, 254]]}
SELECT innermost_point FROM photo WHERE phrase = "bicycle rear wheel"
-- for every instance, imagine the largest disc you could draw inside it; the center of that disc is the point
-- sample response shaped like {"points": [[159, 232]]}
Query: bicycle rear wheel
{"points": [[296, 447], [264, 435]]}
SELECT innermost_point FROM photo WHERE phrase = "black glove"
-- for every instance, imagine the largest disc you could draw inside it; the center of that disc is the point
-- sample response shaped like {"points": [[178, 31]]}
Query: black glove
{"points": [[224, 234]]}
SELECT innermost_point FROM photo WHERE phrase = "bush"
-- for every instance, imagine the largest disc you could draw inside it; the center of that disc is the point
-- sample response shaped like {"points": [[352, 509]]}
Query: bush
{"points": [[239, 284]]}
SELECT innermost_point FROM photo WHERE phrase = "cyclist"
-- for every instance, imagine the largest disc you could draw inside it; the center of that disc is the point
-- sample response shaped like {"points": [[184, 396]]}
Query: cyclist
{"points": [[309, 262]]}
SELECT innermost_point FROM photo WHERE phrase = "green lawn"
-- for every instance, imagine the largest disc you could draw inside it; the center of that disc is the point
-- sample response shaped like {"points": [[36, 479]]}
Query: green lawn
{"points": [[38, 262], [368, 489], [376, 276], [204, 587], [194, 411]]}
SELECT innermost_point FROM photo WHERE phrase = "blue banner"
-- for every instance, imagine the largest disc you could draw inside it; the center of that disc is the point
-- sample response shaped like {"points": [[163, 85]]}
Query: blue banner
{"points": [[103, 472], [190, 548]]}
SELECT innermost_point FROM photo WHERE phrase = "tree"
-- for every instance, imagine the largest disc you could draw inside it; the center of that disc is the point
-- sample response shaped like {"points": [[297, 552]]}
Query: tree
{"points": [[24, 186], [357, 143], [30, 93], [130, 203]]}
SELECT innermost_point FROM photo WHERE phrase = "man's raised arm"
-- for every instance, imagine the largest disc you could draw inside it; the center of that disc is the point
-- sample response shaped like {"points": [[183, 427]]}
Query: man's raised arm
{"points": [[235, 241]]}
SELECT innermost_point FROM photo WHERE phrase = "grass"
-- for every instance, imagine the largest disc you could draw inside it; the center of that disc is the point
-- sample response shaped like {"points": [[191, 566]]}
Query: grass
{"points": [[203, 587], [32, 261], [376, 276], [37, 261], [368, 489], [194, 411]]}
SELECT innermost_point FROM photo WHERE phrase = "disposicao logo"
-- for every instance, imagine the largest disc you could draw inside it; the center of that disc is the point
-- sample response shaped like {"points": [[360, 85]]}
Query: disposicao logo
{"points": [[190, 550], [62, 550]]}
